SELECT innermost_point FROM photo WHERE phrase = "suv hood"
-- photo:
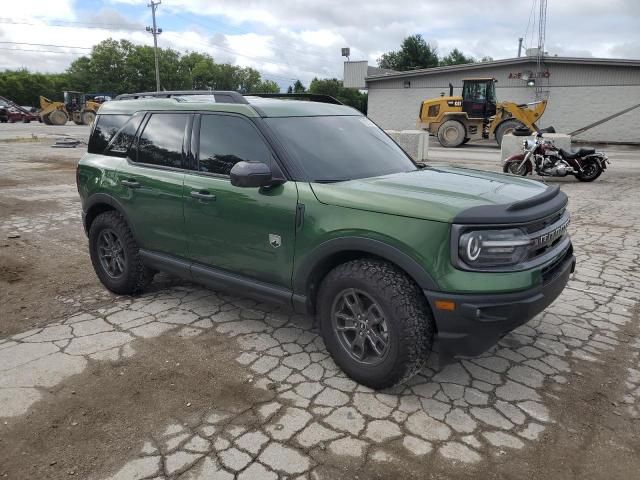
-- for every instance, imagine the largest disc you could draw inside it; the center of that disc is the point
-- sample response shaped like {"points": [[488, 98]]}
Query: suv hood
{"points": [[431, 193]]}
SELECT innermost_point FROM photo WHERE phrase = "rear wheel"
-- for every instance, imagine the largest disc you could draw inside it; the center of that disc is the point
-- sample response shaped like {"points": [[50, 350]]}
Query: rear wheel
{"points": [[375, 322], [590, 171], [115, 255], [507, 127], [451, 134], [58, 117], [45, 119]]}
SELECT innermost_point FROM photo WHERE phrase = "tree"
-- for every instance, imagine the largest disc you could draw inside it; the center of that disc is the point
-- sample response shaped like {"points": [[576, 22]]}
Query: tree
{"points": [[333, 87], [119, 66], [456, 57], [414, 53], [486, 59], [266, 86], [197, 69], [24, 87], [298, 87]]}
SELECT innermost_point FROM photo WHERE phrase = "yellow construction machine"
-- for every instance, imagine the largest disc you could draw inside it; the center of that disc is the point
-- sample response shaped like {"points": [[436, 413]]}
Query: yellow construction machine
{"points": [[476, 114], [75, 107]]}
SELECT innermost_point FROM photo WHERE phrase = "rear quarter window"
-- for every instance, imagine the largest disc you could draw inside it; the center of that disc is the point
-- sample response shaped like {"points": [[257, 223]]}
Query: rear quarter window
{"points": [[106, 127]]}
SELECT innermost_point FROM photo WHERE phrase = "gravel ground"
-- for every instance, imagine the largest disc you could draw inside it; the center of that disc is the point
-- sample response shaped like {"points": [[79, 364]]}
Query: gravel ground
{"points": [[184, 382]]}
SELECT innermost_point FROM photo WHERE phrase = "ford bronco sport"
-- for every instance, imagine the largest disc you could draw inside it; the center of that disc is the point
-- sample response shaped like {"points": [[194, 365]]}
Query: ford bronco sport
{"points": [[310, 204]]}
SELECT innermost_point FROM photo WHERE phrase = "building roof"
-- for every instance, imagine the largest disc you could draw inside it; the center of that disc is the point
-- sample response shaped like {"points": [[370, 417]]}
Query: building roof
{"points": [[619, 62]]}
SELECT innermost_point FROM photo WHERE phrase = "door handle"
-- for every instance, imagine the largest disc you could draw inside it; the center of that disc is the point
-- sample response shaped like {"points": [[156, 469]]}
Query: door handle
{"points": [[203, 195], [130, 183]]}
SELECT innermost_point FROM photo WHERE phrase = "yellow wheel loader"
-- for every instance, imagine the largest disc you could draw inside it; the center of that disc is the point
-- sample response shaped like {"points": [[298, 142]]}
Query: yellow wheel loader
{"points": [[75, 107], [476, 114]]}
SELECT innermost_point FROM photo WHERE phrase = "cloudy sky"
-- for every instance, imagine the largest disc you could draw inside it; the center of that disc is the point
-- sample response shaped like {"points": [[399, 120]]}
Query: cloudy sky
{"points": [[288, 39]]}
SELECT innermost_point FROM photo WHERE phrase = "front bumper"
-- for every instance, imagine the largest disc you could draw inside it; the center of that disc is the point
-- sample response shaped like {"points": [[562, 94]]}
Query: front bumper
{"points": [[479, 321]]}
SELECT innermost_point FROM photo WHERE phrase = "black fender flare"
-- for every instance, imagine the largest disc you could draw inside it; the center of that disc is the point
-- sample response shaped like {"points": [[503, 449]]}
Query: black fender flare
{"points": [[105, 199], [370, 246]]}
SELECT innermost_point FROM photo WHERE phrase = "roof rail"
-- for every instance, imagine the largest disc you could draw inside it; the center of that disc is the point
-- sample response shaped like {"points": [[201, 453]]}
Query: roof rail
{"points": [[312, 97], [221, 96]]}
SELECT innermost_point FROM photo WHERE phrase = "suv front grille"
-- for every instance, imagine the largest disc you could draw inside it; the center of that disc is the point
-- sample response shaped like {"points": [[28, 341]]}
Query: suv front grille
{"points": [[540, 224], [546, 235]]}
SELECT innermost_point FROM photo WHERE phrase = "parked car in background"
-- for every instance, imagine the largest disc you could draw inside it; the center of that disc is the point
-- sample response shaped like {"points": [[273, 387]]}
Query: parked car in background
{"points": [[25, 116]]}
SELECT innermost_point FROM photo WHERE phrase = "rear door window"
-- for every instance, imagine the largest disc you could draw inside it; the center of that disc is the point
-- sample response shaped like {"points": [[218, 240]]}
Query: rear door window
{"points": [[161, 141], [119, 145], [106, 127]]}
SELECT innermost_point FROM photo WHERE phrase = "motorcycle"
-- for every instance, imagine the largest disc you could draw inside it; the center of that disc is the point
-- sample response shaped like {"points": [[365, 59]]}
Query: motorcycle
{"points": [[542, 155]]}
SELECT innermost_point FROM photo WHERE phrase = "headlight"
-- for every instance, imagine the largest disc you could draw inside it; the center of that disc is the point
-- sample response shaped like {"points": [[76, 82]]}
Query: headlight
{"points": [[493, 248]]}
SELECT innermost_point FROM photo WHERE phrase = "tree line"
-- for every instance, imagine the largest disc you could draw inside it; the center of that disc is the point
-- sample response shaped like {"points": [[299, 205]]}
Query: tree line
{"points": [[416, 53], [119, 66], [334, 88]]}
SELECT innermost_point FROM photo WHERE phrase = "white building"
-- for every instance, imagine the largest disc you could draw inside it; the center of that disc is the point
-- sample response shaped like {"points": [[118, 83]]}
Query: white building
{"points": [[581, 91]]}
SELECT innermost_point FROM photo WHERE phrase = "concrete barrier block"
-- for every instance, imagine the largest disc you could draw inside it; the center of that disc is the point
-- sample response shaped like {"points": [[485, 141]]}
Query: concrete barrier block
{"points": [[414, 142], [512, 144]]}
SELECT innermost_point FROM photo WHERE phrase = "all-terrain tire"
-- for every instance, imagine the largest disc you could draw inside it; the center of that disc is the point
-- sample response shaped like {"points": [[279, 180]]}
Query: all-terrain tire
{"points": [[451, 134], [136, 276], [508, 126], [409, 320], [45, 119]]}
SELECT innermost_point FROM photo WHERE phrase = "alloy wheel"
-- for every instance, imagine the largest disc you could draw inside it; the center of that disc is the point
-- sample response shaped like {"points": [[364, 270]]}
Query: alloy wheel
{"points": [[361, 326], [111, 253]]}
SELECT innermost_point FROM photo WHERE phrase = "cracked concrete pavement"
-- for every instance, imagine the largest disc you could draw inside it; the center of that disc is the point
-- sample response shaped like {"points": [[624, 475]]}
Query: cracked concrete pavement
{"points": [[468, 415]]}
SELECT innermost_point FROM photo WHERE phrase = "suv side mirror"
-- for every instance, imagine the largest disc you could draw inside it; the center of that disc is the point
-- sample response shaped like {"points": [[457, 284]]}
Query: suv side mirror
{"points": [[251, 175]]}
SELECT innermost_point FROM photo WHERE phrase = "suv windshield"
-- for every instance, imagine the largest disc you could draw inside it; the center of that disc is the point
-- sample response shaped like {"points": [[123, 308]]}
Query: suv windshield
{"points": [[335, 148]]}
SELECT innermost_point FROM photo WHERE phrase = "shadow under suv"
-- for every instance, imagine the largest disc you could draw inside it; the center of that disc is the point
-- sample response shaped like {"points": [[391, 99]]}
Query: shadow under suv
{"points": [[310, 204]]}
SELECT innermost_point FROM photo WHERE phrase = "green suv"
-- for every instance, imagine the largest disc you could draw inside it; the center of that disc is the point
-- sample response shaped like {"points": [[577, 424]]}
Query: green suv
{"points": [[310, 204]]}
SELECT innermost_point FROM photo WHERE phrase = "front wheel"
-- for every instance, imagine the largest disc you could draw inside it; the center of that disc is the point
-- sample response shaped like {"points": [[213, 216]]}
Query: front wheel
{"points": [[115, 256], [375, 322], [88, 117], [590, 171], [516, 168], [508, 126]]}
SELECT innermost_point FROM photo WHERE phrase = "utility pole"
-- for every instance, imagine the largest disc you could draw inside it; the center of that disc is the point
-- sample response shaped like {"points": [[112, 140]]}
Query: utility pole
{"points": [[155, 31], [519, 46]]}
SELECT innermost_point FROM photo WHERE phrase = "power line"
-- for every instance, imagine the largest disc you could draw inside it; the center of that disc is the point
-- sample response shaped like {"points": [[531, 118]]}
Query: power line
{"points": [[99, 26], [531, 16], [46, 45], [43, 51]]}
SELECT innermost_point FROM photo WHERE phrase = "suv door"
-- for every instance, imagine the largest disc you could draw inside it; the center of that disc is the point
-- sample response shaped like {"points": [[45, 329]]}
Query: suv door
{"points": [[150, 181], [246, 231]]}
